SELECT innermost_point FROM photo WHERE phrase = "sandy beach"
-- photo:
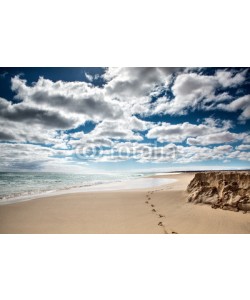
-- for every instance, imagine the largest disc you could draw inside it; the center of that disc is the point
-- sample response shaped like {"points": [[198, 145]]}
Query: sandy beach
{"points": [[163, 209]]}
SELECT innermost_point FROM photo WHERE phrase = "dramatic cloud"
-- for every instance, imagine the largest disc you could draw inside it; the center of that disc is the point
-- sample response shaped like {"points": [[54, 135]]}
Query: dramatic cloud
{"points": [[24, 113], [145, 115], [196, 91], [135, 86], [125, 83], [69, 97]]}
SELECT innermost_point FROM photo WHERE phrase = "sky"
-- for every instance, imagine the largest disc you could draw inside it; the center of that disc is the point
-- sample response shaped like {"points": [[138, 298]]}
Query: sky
{"points": [[91, 120]]}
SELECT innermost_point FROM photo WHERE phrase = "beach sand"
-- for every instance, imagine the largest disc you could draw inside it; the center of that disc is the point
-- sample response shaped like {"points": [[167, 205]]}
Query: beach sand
{"points": [[163, 209]]}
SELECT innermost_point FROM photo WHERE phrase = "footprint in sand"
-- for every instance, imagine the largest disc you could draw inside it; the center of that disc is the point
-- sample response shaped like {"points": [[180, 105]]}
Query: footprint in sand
{"points": [[160, 215], [163, 226]]}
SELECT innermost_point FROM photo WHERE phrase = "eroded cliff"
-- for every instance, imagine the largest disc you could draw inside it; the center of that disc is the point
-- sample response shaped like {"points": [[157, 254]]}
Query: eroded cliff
{"points": [[226, 190]]}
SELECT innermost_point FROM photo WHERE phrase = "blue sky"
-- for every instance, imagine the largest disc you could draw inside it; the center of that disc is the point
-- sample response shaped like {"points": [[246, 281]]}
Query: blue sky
{"points": [[108, 119]]}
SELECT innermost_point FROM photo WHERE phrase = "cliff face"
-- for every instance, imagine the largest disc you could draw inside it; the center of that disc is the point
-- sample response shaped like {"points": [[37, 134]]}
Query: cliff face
{"points": [[226, 190]]}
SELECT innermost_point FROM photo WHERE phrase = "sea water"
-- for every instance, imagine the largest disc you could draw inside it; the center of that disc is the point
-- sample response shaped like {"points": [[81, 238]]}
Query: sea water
{"points": [[19, 186], [22, 186]]}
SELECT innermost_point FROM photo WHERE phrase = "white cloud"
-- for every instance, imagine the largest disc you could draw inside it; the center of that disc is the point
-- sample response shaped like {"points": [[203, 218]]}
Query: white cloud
{"points": [[110, 159], [241, 155], [23, 157], [167, 132], [188, 90], [46, 109], [125, 83], [113, 130], [242, 103], [243, 147], [90, 77], [215, 138], [62, 105], [25, 113], [230, 79], [194, 154], [134, 86], [68, 97], [193, 91], [22, 132], [106, 132], [246, 139]]}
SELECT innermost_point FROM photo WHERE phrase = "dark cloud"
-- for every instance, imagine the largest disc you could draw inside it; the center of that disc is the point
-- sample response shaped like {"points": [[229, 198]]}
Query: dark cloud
{"points": [[6, 136], [71, 97], [31, 115]]}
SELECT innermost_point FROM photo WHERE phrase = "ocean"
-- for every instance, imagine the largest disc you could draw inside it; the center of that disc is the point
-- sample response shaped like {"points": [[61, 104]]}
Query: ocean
{"points": [[20, 186]]}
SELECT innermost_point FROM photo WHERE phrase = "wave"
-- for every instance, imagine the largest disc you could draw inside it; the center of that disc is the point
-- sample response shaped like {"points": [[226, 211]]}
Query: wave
{"points": [[16, 187]]}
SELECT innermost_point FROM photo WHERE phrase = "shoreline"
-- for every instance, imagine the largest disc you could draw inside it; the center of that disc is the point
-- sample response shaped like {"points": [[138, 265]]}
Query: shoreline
{"points": [[139, 183], [159, 210]]}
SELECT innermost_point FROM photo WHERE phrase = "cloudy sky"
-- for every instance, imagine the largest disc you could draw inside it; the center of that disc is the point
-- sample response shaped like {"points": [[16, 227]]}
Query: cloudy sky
{"points": [[102, 119]]}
